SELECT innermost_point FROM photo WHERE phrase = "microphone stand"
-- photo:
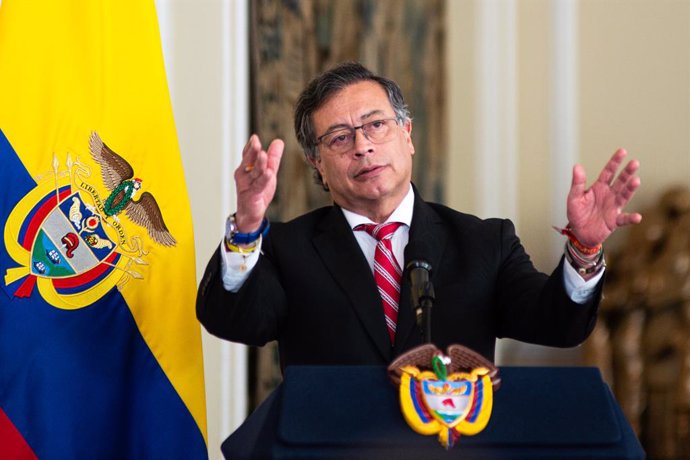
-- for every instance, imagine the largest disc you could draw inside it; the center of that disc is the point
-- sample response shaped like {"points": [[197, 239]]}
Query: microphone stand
{"points": [[424, 304]]}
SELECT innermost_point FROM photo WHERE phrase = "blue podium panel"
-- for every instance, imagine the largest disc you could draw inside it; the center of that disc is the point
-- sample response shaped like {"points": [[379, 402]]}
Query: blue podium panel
{"points": [[353, 412]]}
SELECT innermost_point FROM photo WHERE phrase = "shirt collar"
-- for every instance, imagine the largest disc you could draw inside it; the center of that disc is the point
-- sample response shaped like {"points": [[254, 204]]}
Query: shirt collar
{"points": [[403, 213]]}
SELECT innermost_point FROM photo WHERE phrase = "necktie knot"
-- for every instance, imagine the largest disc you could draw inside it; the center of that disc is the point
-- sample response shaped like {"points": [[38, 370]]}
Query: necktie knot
{"points": [[380, 231]]}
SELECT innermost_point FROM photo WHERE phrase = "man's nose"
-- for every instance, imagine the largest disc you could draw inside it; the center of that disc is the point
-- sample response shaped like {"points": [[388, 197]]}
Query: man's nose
{"points": [[362, 144]]}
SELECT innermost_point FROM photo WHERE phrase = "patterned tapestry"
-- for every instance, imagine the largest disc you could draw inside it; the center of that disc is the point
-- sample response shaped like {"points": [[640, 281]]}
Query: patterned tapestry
{"points": [[294, 40]]}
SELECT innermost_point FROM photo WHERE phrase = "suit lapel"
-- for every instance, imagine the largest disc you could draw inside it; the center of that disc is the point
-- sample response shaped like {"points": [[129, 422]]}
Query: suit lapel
{"points": [[427, 226], [343, 258]]}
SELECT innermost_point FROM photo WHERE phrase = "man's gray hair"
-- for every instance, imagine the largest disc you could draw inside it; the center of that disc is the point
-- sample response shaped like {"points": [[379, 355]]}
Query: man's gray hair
{"points": [[323, 87]]}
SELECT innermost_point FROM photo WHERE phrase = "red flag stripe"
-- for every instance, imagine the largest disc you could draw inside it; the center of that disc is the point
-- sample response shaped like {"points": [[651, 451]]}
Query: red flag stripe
{"points": [[12, 443]]}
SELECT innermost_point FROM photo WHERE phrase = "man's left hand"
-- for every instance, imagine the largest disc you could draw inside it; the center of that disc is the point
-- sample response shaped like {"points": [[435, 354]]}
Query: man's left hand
{"points": [[596, 212]]}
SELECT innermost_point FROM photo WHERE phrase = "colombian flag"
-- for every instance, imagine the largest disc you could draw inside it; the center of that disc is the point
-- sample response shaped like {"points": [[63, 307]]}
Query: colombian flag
{"points": [[100, 351]]}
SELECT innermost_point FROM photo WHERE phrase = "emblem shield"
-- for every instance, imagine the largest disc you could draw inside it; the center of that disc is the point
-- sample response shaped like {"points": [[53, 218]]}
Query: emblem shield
{"points": [[70, 240], [449, 402]]}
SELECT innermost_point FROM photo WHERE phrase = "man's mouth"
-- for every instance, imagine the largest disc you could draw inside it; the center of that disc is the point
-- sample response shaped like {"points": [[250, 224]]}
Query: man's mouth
{"points": [[369, 171]]}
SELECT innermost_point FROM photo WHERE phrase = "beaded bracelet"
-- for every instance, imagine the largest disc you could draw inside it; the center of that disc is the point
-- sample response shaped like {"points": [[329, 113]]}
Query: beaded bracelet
{"points": [[582, 266], [586, 250], [230, 247]]}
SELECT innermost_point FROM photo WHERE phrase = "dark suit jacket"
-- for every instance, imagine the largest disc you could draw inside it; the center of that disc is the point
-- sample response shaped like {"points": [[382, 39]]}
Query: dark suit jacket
{"points": [[313, 291]]}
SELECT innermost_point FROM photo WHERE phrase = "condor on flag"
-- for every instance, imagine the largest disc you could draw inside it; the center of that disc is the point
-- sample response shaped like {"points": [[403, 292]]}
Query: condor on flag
{"points": [[100, 351]]}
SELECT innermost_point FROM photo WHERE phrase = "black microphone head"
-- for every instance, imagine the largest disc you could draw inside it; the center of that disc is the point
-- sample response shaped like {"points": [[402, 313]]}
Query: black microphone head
{"points": [[417, 255]]}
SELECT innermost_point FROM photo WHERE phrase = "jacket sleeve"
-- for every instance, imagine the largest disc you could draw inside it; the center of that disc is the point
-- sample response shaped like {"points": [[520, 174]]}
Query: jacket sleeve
{"points": [[534, 307], [251, 316]]}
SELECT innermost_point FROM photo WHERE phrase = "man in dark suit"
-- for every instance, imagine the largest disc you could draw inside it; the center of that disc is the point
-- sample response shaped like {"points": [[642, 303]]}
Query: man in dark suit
{"points": [[308, 283]]}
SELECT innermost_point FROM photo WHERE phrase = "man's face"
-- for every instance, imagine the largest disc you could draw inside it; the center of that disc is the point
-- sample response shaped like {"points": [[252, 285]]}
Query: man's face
{"points": [[369, 176]]}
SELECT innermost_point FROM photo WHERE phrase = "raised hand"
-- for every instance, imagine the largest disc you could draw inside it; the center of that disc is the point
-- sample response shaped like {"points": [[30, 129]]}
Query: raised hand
{"points": [[596, 212], [255, 180]]}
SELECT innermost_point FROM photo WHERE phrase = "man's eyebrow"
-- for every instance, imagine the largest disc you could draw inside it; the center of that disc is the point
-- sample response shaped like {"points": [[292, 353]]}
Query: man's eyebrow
{"points": [[371, 114], [336, 127]]}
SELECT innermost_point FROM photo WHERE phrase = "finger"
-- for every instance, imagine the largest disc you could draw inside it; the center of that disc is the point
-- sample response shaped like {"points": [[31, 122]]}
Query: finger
{"points": [[246, 147], [577, 185], [266, 162], [628, 219], [275, 153], [258, 167], [625, 175], [628, 191], [250, 152], [609, 172]]}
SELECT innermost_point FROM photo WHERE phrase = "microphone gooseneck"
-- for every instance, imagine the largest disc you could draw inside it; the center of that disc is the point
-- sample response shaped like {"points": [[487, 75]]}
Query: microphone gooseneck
{"points": [[422, 297]]}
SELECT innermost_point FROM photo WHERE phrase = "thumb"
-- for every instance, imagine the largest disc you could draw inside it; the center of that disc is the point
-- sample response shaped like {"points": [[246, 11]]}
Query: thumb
{"points": [[577, 186]]}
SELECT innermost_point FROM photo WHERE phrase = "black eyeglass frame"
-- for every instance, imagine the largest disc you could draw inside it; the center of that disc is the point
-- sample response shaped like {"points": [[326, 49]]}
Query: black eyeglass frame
{"points": [[353, 130]]}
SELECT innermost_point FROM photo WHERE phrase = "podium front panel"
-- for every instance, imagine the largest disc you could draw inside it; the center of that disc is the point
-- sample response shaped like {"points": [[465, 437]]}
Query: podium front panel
{"points": [[354, 413], [545, 406]]}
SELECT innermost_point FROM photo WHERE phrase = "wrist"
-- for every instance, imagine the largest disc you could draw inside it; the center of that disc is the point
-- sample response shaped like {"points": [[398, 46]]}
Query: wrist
{"points": [[582, 248], [586, 260], [244, 224], [234, 236], [586, 265]]}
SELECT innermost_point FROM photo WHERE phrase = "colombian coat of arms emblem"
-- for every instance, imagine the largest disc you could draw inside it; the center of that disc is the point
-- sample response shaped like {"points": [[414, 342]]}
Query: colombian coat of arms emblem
{"points": [[74, 239], [445, 394]]}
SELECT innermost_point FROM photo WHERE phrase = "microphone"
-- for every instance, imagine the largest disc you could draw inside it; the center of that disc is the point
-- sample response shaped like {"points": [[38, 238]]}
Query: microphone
{"points": [[419, 270]]}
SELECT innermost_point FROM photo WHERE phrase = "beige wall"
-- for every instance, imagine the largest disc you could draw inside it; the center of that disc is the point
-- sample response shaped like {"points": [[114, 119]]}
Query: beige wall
{"points": [[635, 87], [632, 90], [619, 78], [205, 44]]}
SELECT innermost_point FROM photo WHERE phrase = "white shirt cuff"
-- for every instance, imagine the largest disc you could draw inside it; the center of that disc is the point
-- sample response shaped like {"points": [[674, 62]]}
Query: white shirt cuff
{"points": [[579, 290], [236, 266]]}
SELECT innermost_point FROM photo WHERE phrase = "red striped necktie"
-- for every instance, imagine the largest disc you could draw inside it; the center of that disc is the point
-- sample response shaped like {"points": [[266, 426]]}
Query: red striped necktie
{"points": [[387, 272]]}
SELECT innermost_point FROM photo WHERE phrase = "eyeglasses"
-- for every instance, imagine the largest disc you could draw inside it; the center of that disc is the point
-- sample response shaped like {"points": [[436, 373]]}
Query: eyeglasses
{"points": [[342, 140]]}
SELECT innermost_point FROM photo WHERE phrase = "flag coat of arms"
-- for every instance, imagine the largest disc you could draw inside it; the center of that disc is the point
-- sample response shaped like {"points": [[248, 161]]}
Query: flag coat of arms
{"points": [[100, 351]]}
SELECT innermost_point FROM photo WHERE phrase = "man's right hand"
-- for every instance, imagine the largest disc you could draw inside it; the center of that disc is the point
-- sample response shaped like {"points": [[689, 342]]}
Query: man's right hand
{"points": [[255, 180]]}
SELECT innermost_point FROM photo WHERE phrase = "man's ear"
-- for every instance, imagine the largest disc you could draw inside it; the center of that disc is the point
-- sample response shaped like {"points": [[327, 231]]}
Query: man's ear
{"points": [[316, 163], [407, 127]]}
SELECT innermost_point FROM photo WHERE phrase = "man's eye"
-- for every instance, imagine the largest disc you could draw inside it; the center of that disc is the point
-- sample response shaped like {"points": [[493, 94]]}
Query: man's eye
{"points": [[339, 140]]}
